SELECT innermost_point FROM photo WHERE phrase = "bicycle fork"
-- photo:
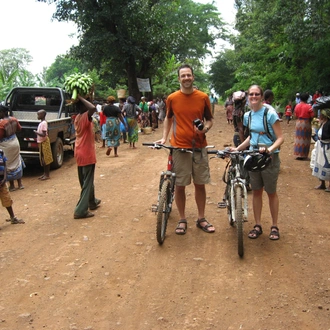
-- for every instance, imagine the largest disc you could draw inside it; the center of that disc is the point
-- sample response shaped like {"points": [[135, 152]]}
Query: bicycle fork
{"points": [[165, 175], [237, 182]]}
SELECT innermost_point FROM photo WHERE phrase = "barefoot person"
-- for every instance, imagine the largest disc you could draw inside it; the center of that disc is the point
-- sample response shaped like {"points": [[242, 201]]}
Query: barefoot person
{"points": [[183, 108], [45, 151], [85, 155]]}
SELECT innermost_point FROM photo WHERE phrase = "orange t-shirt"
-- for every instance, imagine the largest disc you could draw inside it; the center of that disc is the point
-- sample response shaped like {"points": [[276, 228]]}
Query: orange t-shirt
{"points": [[184, 109], [84, 151]]}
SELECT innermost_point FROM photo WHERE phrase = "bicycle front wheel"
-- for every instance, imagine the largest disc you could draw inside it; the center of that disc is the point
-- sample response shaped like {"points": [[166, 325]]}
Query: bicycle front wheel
{"points": [[163, 211], [239, 219]]}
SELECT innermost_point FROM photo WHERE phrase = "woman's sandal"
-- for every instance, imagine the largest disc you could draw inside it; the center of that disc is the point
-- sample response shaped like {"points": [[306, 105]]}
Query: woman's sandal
{"points": [[255, 233], [181, 230], [274, 233], [206, 227]]}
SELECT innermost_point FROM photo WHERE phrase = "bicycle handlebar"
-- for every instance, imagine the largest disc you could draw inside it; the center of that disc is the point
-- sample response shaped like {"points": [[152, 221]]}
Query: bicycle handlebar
{"points": [[159, 146], [227, 152]]}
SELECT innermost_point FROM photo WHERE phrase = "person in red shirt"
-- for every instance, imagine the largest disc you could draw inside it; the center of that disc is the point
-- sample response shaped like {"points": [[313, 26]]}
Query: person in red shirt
{"points": [[183, 108], [316, 95], [85, 155], [288, 112], [304, 114]]}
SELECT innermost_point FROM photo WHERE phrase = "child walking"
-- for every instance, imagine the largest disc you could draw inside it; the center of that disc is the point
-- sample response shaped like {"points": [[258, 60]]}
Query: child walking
{"points": [[45, 151], [288, 112]]}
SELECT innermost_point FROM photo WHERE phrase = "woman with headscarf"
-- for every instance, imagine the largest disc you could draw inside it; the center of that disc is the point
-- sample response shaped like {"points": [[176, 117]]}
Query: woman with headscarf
{"points": [[112, 125], [132, 113], [322, 151], [11, 148]]}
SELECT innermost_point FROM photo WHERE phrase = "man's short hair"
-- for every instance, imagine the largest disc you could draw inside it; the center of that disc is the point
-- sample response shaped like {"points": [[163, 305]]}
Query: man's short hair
{"points": [[185, 66]]}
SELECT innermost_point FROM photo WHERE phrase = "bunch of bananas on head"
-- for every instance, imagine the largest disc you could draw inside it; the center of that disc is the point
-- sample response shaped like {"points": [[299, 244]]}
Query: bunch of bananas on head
{"points": [[78, 83]]}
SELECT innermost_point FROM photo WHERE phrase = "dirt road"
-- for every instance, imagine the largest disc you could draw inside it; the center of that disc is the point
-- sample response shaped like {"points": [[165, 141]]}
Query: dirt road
{"points": [[108, 272]]}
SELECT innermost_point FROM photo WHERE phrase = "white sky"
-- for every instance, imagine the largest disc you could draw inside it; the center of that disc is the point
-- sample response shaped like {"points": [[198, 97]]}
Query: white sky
{"points": [[27, 24]]}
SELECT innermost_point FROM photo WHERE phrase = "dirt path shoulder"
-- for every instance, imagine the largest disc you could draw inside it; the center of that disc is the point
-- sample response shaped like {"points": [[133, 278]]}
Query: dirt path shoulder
{"points": [[108, 272]]}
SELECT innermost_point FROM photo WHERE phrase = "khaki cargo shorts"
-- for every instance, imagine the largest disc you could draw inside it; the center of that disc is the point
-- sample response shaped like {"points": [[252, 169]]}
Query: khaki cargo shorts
{"points": [[268, 177], [188, 165]]}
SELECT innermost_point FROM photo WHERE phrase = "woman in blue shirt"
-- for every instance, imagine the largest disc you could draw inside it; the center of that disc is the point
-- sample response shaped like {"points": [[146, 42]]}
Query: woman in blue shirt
{"points": [[266, 179]]}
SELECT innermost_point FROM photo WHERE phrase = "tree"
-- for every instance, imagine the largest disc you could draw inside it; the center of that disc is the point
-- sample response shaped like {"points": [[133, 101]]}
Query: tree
{"points": [[13, 71], [134, 38]]}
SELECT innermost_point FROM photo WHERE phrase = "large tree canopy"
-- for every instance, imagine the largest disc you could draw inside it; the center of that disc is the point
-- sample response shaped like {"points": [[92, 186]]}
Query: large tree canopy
{"points": [[135, 37]]}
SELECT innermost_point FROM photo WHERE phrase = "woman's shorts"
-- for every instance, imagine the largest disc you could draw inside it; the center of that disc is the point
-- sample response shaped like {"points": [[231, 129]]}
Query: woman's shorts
{"points": [[268, 177]]}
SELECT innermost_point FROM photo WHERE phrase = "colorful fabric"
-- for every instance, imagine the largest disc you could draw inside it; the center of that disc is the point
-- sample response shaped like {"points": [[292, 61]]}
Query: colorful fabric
{"points": [[8, 127], [5, 196], [112, 131], [321, 166], [184, 109], [133, 130], [11, 148], [45, 152], [302, 138], [84, 151]]}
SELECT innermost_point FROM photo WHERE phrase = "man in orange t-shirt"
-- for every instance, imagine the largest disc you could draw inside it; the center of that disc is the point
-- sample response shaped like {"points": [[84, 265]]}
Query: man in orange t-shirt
{"points": [[85, 155], [183, 108]]}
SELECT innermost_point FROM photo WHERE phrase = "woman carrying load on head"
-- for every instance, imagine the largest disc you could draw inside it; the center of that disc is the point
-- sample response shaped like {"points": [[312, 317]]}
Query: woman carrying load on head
{"points": [[267, 178], [10, 145], [132, 113], [112, 125]]}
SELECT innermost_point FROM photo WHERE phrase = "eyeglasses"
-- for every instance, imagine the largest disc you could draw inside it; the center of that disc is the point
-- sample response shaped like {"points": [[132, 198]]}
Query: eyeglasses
{"points": [[254, 94]]}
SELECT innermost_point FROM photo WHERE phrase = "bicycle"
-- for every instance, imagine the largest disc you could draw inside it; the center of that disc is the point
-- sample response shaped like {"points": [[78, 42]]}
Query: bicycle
{"points": [[235, 195], [166, 189]]}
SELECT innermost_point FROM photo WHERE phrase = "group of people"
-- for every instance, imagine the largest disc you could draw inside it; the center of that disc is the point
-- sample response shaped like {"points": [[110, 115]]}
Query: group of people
{"points": [[11, 162], [126, 120]]}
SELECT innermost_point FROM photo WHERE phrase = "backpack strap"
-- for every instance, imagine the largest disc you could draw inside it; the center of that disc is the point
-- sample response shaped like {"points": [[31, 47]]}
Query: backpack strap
{"points": [[266, 128]]}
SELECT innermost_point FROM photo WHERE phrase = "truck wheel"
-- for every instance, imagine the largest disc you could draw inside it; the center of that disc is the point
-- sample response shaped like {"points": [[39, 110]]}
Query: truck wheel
{"points": [[58, 154]]}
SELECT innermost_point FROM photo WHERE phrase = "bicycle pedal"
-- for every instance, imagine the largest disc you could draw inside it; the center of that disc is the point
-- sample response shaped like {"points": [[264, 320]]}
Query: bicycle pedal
{"points": [[154, 208], [222, 205]]}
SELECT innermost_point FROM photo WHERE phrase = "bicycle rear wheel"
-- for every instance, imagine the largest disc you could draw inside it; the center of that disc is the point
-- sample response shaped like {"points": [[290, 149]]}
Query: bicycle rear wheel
{"points": [[164, 210], [239, 220]]}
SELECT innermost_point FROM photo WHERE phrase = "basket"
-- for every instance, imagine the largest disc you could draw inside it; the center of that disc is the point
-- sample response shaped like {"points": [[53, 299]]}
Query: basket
{"points": [[121, 93], [147, 130]]}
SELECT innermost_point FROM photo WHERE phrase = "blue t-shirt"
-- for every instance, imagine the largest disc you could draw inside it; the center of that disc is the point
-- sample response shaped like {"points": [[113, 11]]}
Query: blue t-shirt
{"points": [[257, 126]]}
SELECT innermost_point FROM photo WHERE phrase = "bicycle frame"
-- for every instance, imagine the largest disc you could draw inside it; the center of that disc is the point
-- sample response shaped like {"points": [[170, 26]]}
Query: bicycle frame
{"points": [[235, 196], [237, 181]]}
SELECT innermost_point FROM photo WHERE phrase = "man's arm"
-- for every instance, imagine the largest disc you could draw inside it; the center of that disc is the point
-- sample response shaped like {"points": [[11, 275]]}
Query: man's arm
{"points": [[166, 130]]}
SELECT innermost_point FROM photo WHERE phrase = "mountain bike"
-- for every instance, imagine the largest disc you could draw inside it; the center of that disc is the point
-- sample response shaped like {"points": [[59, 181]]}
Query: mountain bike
{"points": [[166, 189], [235, 195]]}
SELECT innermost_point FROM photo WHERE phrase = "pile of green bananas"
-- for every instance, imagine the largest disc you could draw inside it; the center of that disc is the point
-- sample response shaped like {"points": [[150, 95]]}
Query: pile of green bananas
{"points": [[78, 83]]}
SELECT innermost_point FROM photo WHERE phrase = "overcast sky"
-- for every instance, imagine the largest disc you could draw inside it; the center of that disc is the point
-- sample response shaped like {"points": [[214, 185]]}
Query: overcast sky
{"points": [[27, 24]]}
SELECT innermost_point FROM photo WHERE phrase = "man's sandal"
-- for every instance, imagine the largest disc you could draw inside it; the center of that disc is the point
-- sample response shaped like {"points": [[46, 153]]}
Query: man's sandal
{"points": [[255, 233], [206, 227], [274, 233], [181, 230], [16, 221]]}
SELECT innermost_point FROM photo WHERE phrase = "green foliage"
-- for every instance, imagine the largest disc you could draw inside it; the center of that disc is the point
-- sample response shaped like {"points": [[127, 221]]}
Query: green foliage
{"points": [[281, 45], [135, 38]]}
